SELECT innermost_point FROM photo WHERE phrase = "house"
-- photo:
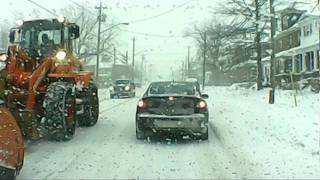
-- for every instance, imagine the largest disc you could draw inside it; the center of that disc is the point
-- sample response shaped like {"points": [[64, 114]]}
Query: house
{"points": [[297, 48], [239, 58]]}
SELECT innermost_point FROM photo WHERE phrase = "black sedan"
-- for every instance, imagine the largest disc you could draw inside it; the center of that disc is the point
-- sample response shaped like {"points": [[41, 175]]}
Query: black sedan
{"points": [[175, 107]]}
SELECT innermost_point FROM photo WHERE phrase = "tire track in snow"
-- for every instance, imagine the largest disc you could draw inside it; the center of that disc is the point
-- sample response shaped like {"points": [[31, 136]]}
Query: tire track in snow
{"points": [[235, 165], [114, 106], [76, 155]]}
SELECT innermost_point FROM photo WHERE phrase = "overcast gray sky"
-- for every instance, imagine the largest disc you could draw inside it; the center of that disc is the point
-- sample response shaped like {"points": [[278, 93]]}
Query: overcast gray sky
{"points": [[166, 52]]}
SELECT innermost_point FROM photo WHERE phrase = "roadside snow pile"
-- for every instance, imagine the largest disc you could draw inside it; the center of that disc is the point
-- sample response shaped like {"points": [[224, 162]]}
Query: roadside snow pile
{"points": [[268, 141]]}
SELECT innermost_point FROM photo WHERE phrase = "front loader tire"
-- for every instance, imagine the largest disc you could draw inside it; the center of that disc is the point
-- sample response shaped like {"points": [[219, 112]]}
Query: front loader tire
{"points": [[205, 136], [91, 107], [7, 174], [59, 109]]}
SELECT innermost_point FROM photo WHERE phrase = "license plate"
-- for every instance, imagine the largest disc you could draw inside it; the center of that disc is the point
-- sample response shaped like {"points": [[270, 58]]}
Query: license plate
{"points": [[167, 124]]}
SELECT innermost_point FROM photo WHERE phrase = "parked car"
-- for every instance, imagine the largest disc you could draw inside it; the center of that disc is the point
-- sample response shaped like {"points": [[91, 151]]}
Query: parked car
{"points": [[176, 107], [123, 88], [195, 81]]}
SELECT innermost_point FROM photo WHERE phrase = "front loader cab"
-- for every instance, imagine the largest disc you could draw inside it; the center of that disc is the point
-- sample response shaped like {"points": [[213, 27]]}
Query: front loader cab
{"points": [[43, 38]]}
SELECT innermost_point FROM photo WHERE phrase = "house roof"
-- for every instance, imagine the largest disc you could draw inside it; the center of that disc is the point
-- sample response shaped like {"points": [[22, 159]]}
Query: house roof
{"points": [[290, 10], [306, 16], [295, 27], [101, 64]]}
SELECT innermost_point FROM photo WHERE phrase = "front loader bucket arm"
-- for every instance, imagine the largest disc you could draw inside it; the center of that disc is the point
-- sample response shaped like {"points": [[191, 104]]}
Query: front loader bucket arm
{"points": [[36, 78]]}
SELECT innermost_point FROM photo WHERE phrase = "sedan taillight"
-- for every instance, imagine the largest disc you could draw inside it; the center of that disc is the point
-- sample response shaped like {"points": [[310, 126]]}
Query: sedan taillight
{"points": [[201, 105]]}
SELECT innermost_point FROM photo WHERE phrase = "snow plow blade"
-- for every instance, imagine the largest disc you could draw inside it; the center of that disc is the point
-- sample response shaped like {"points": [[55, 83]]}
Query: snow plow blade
{"points": [[11, 145]]}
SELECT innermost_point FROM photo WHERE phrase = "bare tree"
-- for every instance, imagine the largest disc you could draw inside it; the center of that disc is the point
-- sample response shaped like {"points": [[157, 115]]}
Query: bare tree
{"points": [[219, 34], [252, 14], [4, 32], [85, 46]]}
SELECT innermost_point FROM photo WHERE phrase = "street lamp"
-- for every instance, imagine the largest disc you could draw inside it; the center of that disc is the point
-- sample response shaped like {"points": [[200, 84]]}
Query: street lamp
{"points": [[113, 26], [98, 43]]}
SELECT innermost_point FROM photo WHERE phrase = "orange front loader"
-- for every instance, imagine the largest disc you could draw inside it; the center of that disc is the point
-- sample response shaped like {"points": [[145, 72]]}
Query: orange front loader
{"points": [[11, 145], [47, 91]]}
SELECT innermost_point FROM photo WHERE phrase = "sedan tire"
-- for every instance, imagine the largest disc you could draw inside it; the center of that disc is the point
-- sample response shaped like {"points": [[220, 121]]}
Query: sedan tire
{"points": [[205, 136]]}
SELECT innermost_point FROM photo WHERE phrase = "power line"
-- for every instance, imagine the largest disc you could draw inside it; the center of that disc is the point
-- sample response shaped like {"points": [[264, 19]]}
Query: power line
{"points": [[145, 19], [81, 6], [151, 35], [315, 7], [42, 7], [161, 14]]}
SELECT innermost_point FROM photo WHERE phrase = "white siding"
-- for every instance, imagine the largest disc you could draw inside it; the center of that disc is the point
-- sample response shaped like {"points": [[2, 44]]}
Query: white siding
{"points": [[310, 36]]}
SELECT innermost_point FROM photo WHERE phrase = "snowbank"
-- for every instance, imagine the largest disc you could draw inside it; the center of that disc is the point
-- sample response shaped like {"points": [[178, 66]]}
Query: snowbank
{"points": [[268, 141]]}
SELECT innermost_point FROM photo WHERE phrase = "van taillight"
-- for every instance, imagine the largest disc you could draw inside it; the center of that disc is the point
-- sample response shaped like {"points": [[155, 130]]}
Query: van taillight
{"points": [[141, 104]]}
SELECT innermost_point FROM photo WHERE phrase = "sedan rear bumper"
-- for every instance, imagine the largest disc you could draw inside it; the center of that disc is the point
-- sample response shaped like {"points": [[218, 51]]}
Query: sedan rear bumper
{"points": [[195, 123]]}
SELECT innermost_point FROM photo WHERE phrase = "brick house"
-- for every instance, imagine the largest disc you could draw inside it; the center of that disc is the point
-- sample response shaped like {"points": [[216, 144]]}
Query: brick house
{"points": [[297, 48]]}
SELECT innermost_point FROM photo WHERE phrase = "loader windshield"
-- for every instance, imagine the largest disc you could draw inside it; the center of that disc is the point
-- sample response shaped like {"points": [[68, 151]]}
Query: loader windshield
{"points": [[41, 38]]}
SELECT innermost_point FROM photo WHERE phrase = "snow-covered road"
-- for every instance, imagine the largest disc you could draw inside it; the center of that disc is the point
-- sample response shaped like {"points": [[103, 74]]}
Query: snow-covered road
{"points": [[110, 150], [241, 145]]}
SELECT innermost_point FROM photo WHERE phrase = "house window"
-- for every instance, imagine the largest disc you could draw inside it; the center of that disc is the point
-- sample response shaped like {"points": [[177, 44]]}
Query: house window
{"points": [[307, 30], [298, 63], [281, 66], [312, 60], [280, 44], [288, 65], [318, 60], [278, 67], [309, 59]]}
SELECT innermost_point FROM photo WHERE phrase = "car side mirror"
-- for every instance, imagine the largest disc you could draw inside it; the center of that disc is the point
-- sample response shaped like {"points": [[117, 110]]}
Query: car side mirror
{"points": [[205, 96], [12, 36], [74, 31]]}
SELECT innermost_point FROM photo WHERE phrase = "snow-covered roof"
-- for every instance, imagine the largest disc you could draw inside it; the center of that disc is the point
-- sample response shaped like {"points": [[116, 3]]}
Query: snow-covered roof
{"points": [[289, 30], [244, 63], [307, 14], [266, 59], [288, 5], [307, 18], [101, 64]]}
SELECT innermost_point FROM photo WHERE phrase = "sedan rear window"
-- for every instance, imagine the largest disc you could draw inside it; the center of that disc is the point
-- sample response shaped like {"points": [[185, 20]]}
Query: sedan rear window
{"points": [[172, 88], [122, 82]]}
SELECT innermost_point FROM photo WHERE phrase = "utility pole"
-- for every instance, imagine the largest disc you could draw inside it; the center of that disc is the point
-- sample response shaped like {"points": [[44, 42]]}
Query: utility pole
{"points": [[186, 68], [114, 55], [258, 45], [188, 62], [141, 68], [98, 43], [133, 51], [204, 60], [127, 56], [183, 71], [272, 56]]}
